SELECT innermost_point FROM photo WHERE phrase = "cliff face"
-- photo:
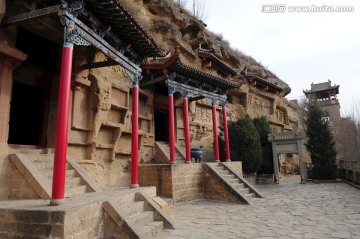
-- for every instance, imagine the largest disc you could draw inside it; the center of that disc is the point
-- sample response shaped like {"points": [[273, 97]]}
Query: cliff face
{"points": [[173, 26]]}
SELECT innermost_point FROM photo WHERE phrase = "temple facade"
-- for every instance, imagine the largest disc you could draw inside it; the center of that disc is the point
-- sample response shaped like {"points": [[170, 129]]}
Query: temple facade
{"points": [[208, 85], [109, 89]]}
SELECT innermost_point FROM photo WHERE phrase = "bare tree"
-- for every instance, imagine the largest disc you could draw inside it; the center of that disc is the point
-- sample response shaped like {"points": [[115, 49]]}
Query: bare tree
{"points": [[182, 3], [199, 9], [348, 135]]}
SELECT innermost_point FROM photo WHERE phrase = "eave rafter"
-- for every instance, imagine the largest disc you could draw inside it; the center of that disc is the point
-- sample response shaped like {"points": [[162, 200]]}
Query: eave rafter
{"points": [[259, 82], [84, 36], [190, 74], [210, 60]]}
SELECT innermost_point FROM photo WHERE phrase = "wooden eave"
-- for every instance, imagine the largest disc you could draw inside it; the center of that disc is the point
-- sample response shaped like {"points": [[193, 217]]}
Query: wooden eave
{"points": [[258, 81], [123, 24], [175, 65], [218, 64], [324, 91]]}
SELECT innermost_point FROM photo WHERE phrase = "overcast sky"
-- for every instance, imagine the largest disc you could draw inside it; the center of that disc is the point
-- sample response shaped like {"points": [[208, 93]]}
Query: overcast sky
{"points": [[299, 47]]}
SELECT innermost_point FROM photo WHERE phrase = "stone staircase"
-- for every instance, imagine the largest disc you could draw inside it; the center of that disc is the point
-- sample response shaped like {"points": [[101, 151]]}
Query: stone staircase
{"points": [[139, 216], [235, 182], [135, 213], [163, 153], [38, 168]]}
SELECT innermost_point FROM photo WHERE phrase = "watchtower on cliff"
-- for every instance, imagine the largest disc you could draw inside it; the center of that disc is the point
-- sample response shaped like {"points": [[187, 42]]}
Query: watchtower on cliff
{"points": [[325, 95]]}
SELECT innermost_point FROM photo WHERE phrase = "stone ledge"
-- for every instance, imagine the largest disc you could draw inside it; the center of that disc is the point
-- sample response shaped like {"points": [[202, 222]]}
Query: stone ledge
{"points": [[328, 181]]}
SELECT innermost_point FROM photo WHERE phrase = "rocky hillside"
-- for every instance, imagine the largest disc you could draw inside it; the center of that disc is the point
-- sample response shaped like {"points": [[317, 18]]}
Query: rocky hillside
{"points": [[171, 26]]}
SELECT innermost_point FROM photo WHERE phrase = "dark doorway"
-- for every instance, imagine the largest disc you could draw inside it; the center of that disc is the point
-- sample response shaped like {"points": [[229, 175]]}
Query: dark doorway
{"points": [[161, 126], [26, 114], [32, 82]]}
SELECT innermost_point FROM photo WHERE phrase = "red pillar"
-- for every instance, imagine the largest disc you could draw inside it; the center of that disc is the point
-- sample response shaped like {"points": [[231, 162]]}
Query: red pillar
{"points": [[62, 126], [216, 141], [226, 134], [187, 131], [171, 129], [135, 135]]}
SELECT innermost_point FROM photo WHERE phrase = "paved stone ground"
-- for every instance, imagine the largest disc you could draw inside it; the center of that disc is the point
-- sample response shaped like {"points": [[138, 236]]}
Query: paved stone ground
{"points": [[289, 210]]}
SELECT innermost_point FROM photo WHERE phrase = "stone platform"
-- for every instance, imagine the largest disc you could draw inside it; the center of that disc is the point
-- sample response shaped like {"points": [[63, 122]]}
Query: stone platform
{"points": [[90, 215]]}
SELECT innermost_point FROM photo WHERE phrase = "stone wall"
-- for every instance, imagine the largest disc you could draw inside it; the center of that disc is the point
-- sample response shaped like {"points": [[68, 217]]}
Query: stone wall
{"points": [[181, 182], [187, 182], [18, 186], [84, 222], [5, 170], [350, 175], [158, 175], [215, 189]]}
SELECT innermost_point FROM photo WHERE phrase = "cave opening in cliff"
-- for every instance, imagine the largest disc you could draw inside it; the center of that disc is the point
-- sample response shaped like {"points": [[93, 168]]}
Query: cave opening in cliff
{"points": [[31, 90]]}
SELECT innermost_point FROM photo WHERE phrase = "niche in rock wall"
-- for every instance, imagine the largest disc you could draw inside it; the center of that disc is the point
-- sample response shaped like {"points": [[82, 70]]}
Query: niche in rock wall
{"points": [[81, 113], [123, 144], [145, 115], [145, 124], [106, 137], [117, 116], [180, 134], [119, 106]]}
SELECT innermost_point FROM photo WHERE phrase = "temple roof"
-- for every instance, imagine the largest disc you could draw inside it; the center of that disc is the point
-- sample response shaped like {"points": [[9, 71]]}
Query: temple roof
{"points": [[258, 81], [174, 64], [123, 24], [219, 64]]}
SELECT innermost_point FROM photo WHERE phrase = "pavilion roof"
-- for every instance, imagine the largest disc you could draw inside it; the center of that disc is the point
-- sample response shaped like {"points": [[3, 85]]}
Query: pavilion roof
{"points": [[324, 87], [174, 64]]}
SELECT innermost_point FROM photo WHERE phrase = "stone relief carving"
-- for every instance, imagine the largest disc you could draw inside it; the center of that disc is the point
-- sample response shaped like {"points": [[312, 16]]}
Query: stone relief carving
{"points": [[100, 88], [200, 131], [258, 102], [203, 115]]}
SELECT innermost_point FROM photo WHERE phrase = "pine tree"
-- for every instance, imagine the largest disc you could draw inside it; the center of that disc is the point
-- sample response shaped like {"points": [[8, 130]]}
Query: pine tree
{"points": [[244, 143], [263, 128], [320, 144]]}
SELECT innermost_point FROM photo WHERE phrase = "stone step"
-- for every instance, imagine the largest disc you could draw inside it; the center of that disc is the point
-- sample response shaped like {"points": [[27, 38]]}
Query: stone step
{"points": [[41, 157], [229, 176], [218, 168], [69, 173], [238, 185], [152, 229], [132, 208], [41, 165], [243, 190], [141, 219], [75, 190], [249, 195], [73, 181], [128, 198], [234, 181], [224, 172]]}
